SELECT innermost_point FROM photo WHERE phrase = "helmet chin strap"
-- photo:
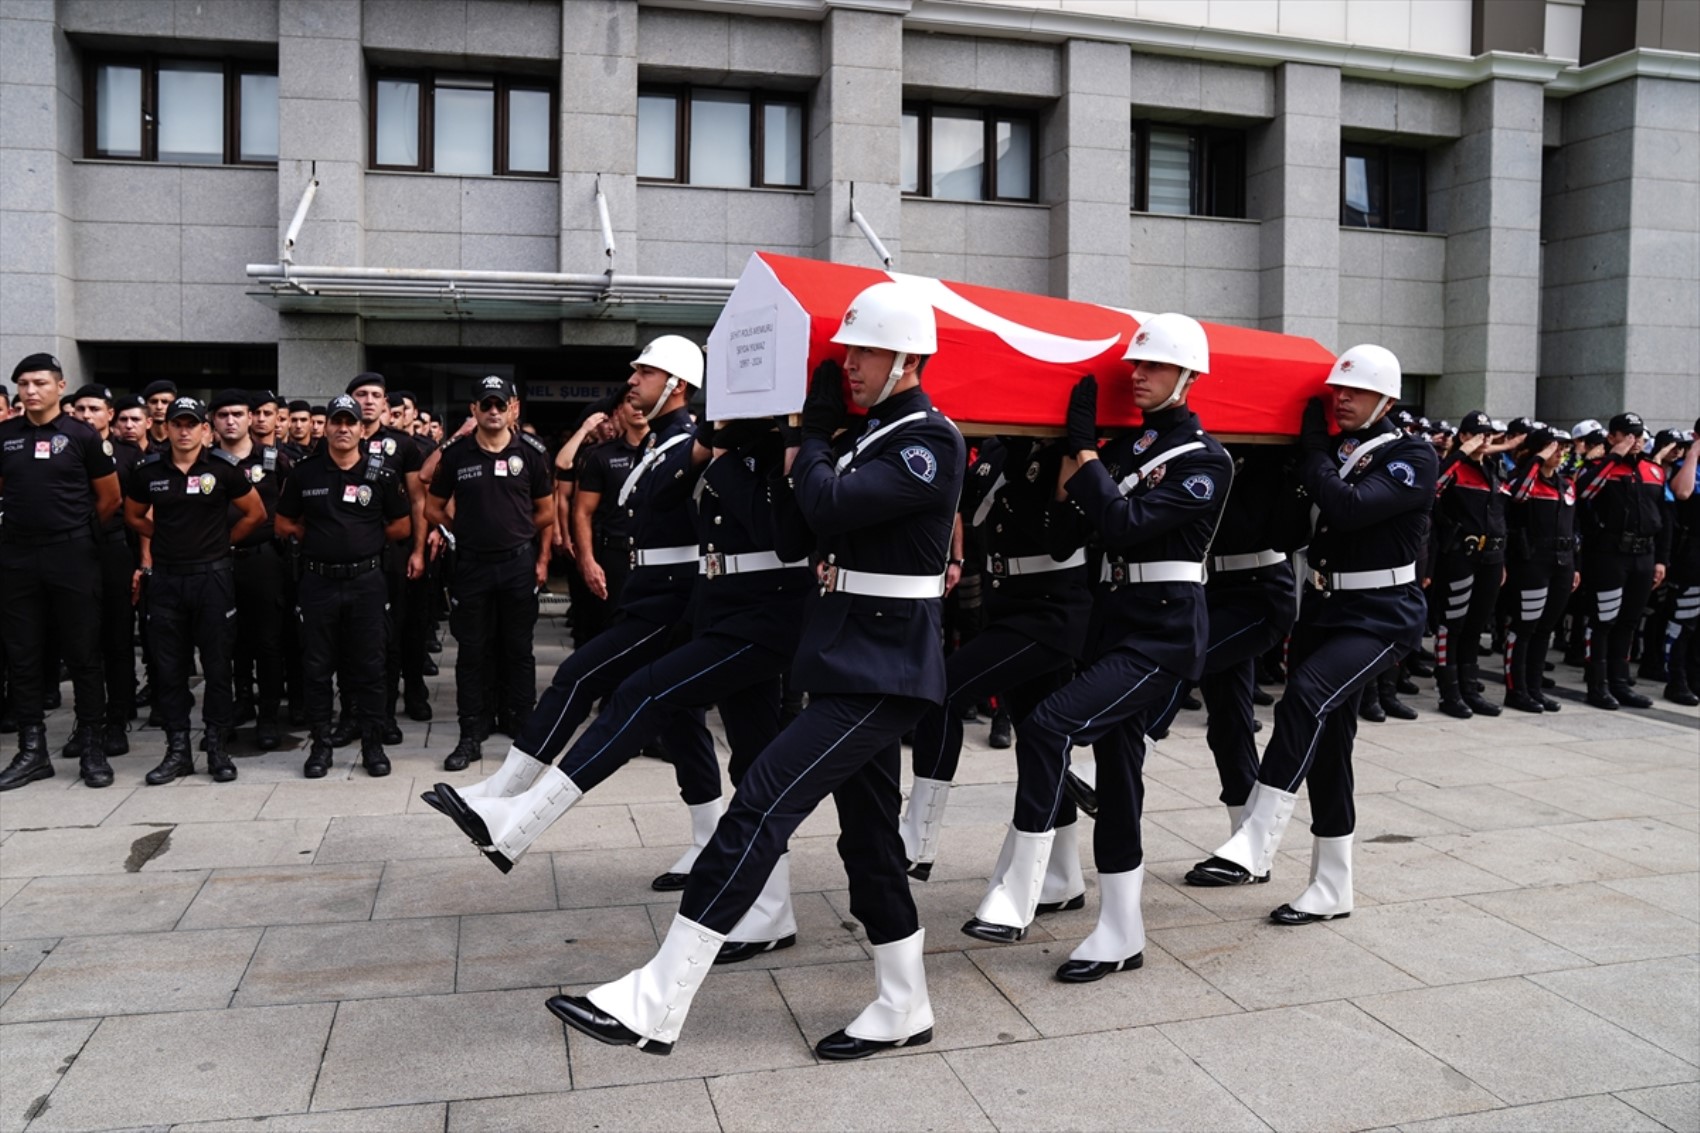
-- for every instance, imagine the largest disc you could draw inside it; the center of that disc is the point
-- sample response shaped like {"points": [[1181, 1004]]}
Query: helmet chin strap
{"points": [[1380, 407], [1178, 394], [666, 392], [896, 375]]}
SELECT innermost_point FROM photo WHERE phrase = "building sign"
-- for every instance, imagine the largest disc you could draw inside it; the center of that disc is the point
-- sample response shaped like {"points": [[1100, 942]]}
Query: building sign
{"points": [[571, 391]]}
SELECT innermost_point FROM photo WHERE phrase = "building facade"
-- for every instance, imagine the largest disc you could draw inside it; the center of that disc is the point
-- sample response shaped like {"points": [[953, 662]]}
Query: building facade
{"points": [[1504, 192]]}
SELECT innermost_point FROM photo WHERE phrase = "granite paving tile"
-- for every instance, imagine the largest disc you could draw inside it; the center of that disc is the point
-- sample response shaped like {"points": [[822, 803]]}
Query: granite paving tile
{"points": [[1446, 941], [596, 878], [944, 907], [1593, 921], [72, 850], [655, 1107], [176, 803], [355, 960], [18, 958], [100, 903], [1415, 871], [391, 837], [1677, 893], [1675, 1107], [425, 887], [1656, 999], [1597, 1111], [332, 799], [285, 894], [37, 1056], [1260, 965], [1594, 796], [9, 887], [1534, 857], [222, 845], [386, 1119], [876, 1095], [1650, 843], [589, 827], [822, 936], [1487, 807], [557, 946], [35, 808], [134, 975]]}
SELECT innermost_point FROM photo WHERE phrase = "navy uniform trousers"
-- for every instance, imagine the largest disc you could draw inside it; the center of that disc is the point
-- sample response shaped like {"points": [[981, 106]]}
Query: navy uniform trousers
{"points": [[190, 609], [50, 591], [341, 621]]}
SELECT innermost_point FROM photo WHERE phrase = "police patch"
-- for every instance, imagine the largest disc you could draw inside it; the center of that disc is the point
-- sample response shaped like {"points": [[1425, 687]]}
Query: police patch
{"points": [[1156, 476], [1200, 487], [921, 463], [207, 482], [256, 474], [364, 495], [515, 465], [60, 440], [106, 447], [1145, 441], [1347, 449], [1403, 473], [389, 446]]}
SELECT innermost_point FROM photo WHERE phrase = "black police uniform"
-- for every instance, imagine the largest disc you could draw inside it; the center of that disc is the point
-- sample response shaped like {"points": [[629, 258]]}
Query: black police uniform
{"points": [[262, 590], [602, 468], [424, 597], [1035, 595], [654, 605], [1541, 571], [50, 572], [404, 660], [1681, 642], [1469, 563], [882, 515], [493, 593], [1624, 534], [118, 561], [340, 598], [191, 597]]}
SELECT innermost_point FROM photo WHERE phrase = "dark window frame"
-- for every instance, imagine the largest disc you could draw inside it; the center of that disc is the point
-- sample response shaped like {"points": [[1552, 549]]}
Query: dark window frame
{"points": [[149, 64], [501, 86], [1386, 154], [989, 116], [760, 99], [1206, 186]]}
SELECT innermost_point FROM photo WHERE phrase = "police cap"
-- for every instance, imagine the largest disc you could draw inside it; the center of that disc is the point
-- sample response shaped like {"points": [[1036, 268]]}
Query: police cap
{"points": [[342, 406], [186, 407], [1629, 424], [495, 386]]}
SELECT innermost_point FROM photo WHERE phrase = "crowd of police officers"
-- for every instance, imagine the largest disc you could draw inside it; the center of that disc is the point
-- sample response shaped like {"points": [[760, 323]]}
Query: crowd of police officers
{"points": [[302, 555]]}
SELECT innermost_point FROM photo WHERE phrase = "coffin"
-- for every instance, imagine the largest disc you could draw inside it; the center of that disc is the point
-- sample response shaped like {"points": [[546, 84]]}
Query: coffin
{"points": [[1006, 359]]}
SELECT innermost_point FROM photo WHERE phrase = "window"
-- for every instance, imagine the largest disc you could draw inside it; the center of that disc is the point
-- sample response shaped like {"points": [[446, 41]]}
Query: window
{"points": [[468, 125], [945, 148], [1383, 187], [737, 139], [192, 111], [1188, 170]]}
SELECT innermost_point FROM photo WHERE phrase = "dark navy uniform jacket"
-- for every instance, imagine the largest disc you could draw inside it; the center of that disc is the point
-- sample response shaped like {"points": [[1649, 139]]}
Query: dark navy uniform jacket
{"points": [[1266, 511], [890, 511], [1376, 517], [1010, 496], [737, 515], [1168, 515], [659, 514]]}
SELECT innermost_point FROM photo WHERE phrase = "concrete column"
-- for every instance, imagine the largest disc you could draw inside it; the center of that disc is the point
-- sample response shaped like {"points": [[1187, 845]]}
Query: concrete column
{"points": [[1293, 187], [1493, 253], [599, 44], [855, 134], [1085, 174], [40, 128]]}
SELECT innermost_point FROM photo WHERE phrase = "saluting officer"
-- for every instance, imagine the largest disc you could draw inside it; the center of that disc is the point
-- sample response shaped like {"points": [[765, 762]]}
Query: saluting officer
{"points": [[344, 510], [1373, 488], [262, 574], [1540, 564], [1682, 635], [1469, 547], [870, 658], [60, 487], [501, 484], [192, 503]]}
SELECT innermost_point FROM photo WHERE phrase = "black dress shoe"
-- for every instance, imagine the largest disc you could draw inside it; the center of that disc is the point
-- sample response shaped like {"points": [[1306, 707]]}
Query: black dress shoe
{"points": [[1370, 709], [1520, 701], [1083, 796], [585, 1017], [1681, 694], [920, 871], [735, 950], [1260, 696], [993, 933], [1549, 704], [1288, 915], [1076, 902], [114, 739], [841, 1047], [1003, 732], [1628, 697], [670, 882], [471, 823], [1601, 699], [1214, 873], [1191, 703], [392, 731], [1397, 709], [1091, 971], [429, 666], [267, 737], [1406, 686]]}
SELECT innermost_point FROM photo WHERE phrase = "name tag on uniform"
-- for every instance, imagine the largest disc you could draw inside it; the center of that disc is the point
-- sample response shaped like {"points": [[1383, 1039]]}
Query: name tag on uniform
{"points": [[501, 468], [350, 493], [43, 450]]}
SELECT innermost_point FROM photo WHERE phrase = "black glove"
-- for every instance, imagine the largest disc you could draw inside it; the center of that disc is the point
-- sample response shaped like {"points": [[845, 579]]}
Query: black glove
{"points": [[1081, 428], [706, 432], [742, 432], [1313, 432], [789, 435], [823, 408]]}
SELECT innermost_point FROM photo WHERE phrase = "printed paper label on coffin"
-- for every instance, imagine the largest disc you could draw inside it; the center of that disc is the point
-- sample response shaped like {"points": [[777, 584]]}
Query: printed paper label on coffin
{"points": [[1006, 359]]}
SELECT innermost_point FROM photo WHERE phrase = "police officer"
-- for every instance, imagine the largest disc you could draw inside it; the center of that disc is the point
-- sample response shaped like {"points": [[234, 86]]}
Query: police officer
{"points": [[261, 571], [345, 511], [118, 577], [192, 503], [599, 530], [1469, 554], [298, 442], [871, 660], [1682, 634], [1037, 605], [60, 489], [1373, 488], [1626, 546], [316, 415], [502, 488], [158, 395], [1540, 564]]}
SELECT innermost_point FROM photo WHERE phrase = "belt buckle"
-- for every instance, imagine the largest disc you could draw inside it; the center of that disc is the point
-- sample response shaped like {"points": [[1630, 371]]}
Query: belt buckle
{"points": [[1118, 573], [714, 564], [828, 575], [999, 565], [632, 558]]}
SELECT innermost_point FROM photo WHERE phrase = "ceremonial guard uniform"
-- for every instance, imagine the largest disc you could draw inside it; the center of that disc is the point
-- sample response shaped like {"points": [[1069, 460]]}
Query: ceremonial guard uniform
{"points": [[1469, 546], [60, 489], [181, 498], [871, 661], [344, 510], [1373, 488], [1540, 565]]}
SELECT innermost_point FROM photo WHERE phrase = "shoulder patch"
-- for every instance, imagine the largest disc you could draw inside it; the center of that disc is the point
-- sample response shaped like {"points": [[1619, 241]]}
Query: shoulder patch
{"points": [[534, 443], [920, 462], [226, 457], [1200, 487], [1403, 473]]}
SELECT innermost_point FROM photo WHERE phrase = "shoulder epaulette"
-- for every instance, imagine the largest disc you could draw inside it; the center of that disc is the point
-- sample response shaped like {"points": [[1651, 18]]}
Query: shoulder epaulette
{"points": [[228, 458], [150, 458], [534, 443]]}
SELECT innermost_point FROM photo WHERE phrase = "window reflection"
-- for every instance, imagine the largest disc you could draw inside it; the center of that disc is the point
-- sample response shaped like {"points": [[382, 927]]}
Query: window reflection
{"points": [[259, 118], [720, 138], [464, 139], [191, 111], [528, 131], [118, 111], [398, 122]]}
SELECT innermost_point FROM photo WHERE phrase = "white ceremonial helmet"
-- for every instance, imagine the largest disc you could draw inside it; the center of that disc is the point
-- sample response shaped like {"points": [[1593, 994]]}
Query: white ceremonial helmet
{"points": [[887, 317], [1176, 339], [1372, 368], [679, 358]]}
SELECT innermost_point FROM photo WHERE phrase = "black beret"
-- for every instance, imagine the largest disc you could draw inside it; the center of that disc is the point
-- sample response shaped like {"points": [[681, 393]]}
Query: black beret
{"points": [[129, 401], [397, 395], [368, 378], [154, 389], [264, 397], [93, 390], [37, 362], [225, 398], [317, 411], [300, 405]]}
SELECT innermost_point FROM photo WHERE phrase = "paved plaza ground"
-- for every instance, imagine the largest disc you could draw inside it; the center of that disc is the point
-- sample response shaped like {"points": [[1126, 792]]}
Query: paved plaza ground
{"points": [[277, 954]]}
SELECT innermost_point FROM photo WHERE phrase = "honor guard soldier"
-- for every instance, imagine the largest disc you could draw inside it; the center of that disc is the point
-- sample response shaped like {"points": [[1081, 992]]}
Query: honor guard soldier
{"points": [[502, 487], [118, 565], [1626, 546], [1540, 564], [60, 489], [1373, 488], [391, 448], [192, 503], [345, 511], [1682, 635], [871, 660], [1037, 606], [262, 573], [1469, 547]]}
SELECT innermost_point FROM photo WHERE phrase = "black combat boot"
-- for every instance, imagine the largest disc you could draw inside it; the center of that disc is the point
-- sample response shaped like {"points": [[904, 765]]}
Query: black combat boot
{"points": [[1451, 703], [1387, 691], [179, 760], [1599, 696], [83, 737], [1469, 687], [372, 756], [267, 735], [1369, 704], [115, 738], [347, 730], [465, 752], [94, 769], [320, 755], [1003, 729], [32, 761], [219, 764], [1678, 689]]}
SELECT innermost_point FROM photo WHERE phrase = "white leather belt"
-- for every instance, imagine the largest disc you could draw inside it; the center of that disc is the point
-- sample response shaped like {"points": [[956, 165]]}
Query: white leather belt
{"points": [[1000, 566], [1256, 560], [716, 563], [664, 556], [1373, 579], [872, 585], [1127, 573]]}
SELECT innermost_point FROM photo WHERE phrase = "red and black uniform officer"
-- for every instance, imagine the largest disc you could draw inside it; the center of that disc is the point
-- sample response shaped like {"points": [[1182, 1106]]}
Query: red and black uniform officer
{"points": [[60, 487], [1469, 560], [1540, 564], [1682, 634], [183, 498], [1626, 545]]}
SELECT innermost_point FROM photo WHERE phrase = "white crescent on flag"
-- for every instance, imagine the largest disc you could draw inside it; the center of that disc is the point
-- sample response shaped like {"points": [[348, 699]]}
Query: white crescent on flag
{"points": [[1037, 344]]}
